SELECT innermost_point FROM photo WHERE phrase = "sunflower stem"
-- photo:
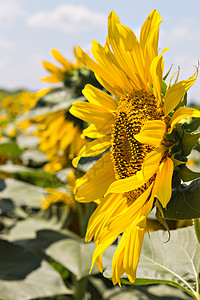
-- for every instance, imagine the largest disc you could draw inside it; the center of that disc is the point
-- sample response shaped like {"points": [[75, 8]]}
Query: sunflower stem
{"points": [[197, 228]]}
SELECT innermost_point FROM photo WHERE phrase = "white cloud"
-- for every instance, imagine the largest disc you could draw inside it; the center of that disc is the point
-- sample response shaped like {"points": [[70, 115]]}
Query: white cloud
{"points": [[9, 12], [6, 44], [68, 18]]}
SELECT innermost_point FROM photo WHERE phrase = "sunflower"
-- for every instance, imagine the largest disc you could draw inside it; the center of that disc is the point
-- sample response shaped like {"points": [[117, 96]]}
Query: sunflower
{"points": [[59, 137], [130, 133], [59, 74], [55, 196]]}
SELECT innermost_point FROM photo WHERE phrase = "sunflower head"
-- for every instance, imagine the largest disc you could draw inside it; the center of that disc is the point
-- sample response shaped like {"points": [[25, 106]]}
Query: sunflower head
{"points": [[134, 131]]}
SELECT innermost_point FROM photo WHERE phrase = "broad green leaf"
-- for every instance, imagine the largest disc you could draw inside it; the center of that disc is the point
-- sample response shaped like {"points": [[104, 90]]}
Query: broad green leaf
{"points": [[76, 256], [35, 176], [10, 149], [152, 292], [33, 158], [23, 275], [187, 174], [189, 140], [191, 125], [27, 229], [52, 102], [20, 193], [184, 203], [175, 262]]}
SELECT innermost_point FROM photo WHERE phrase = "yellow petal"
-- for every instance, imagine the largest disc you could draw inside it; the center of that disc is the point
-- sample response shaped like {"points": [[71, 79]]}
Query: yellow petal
{"points": [[151, 163], [109, 207], [156, 70], [163, 182], [176, 92], [182, 113], [151, 25], [51, 68], [104, 77], [91, 132], [53, 78], [152, 133], [98, 97], [95, 182], [58, 56], [93, 148], [126, 184], [92, 113], [112, 73], [123, 41]]}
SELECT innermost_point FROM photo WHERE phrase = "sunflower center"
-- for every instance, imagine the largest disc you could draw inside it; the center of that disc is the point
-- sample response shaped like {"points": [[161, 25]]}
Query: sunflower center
{"points": [[126, 152]]}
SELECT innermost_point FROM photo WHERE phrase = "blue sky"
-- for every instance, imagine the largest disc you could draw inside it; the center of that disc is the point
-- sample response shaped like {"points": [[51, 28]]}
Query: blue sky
{"points": [[29, 29]]}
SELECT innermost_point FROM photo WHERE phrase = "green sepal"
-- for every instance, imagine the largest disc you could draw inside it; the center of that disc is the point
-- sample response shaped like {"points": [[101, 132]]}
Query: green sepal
{"points": [[167, 74], [160, 216], [186, 174], [163, 88], [184, 203]]}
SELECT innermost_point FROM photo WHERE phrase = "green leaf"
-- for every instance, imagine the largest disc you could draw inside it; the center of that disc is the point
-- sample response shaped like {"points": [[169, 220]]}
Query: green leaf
{"points": [[187, 174], [23, 275], [76, 256], [175, 262], [10, 149], [27, 229], [189, 140], [35, 176], [164, 87], [184, 203], [191, 125], [20, 193], [152, 292]]}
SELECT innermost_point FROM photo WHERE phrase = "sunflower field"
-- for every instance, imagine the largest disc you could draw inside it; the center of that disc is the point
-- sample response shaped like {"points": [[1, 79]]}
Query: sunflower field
{"points": [[100, 176]]}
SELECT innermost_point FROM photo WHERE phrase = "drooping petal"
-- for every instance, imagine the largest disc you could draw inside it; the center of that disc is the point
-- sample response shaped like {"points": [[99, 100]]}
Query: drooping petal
{"points": [[109, 207], [182, 113], [94, 183], [152, 133], [93, 148], [176, 92], [163, 182], [98, 97], [127, 255]]}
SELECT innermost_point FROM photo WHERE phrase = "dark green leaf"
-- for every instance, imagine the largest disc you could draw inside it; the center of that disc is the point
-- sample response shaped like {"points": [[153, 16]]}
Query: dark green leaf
{"points": [[189, 140], [184, 203], [25, 276], [187, 174]]}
